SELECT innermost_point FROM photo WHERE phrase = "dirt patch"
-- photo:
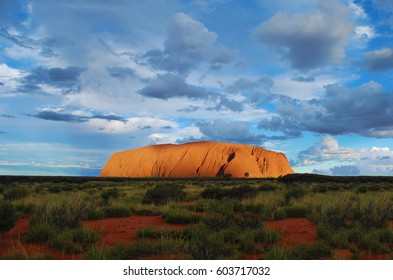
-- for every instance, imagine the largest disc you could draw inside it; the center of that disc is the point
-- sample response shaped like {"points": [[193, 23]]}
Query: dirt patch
{"points": [[123, 230], [11, 243], [112, 230], [343, 254], [294, 231]]}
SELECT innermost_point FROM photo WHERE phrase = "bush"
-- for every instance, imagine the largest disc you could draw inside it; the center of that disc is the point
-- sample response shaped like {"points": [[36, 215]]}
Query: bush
{"points": [[180, 216], [40, 233], [116, 211], [268, 188], [296, 211], [234, 193], [110, 193], [162, 194], [8, 216], [14, 193], [267, 236], [294, 192], [64, 213]]}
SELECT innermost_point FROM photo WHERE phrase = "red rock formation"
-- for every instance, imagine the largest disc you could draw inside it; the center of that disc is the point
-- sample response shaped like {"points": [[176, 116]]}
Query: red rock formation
{"points": [[198, 159]]}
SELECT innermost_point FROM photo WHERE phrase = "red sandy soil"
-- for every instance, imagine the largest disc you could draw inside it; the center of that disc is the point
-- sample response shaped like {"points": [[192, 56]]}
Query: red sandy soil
{"points": [[123, 230], [112, 230], [11, 243], [294, 231], [198, 159]]}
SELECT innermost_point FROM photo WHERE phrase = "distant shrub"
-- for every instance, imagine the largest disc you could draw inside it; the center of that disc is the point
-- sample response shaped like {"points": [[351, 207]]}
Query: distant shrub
{"points": [[268, 188], [234, 193], [8, 216], [162, 194], [16, 192]]}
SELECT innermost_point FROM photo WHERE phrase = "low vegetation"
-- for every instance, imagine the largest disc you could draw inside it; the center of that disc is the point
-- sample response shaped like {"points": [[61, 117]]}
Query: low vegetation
{"points": [[213, 218]]}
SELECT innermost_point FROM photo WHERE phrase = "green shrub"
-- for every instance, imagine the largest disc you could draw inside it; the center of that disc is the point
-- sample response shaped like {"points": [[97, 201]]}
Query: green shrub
{"points": [[15, 192], [8, 216], [267, 236], [294, 191], [339, 240], [180, 216], [110, 193], [316, 251], [40, 233], [162, 194], [205, 245], [85, 236], [296, 211], [234, 193], [247, 242], [116, 211], [268, 188], [65, 213], [95, 214], [371, 242]]}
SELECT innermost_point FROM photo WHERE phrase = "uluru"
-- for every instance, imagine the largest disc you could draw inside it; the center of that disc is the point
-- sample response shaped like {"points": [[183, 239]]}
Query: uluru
{"points": [[198, 159]]}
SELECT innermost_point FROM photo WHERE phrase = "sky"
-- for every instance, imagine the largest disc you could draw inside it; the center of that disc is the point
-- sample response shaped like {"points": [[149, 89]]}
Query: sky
{"points": [[80, 80]]}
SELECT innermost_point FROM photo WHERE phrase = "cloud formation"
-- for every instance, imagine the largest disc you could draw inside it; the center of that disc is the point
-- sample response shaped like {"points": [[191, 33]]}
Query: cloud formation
{"points": [[169, 85], [378, 60], [189, 44], [311, 39], [66, 79], [364, 110], [366, 161], [236, 131]]}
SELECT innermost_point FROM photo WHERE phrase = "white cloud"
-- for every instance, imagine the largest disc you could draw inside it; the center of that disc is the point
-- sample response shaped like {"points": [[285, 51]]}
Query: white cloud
{"points": [[129, 125], [328, 156], [184, 134]]}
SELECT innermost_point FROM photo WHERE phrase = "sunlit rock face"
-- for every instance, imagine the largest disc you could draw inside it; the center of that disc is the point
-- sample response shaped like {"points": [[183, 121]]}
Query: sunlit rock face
{"points": [[198, 159]]}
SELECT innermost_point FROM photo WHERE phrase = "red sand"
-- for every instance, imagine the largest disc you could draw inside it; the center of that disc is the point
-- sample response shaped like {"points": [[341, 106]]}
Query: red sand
{"points": [[112, 230], [294, 231], [123, 230], [11, 243]]}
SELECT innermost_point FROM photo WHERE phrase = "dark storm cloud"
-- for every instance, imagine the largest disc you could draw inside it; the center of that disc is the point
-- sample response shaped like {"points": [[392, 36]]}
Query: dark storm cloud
{"points": [[188, 44], [66, 79], [109, 118], [364, 110], [308, 40], [219, 130], [169, 85], [378, 60], [121, 73], [61, 116]]}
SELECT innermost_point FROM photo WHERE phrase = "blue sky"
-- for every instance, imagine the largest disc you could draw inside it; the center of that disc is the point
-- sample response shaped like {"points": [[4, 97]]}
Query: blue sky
{"points": [[80, 80]]}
